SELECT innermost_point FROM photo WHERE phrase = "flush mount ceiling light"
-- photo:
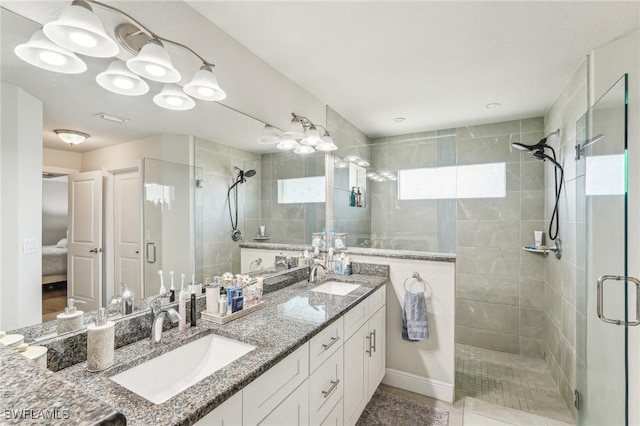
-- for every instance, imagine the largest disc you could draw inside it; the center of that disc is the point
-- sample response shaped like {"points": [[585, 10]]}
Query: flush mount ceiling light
{"points": [[172, 97], [119, 79], [41, 52], [302, 136], [399, 119], [110, 117], [80, 30], [72, 137], [492, 105], [270, 135]]}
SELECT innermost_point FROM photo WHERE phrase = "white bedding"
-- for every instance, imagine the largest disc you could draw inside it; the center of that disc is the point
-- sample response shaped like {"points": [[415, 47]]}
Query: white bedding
{"points": [[54, 260]]}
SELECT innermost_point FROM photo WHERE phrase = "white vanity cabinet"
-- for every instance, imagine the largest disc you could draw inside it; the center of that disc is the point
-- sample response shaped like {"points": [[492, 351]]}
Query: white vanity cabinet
{"points": [[293, 411], [364, 356], [229, 413]]}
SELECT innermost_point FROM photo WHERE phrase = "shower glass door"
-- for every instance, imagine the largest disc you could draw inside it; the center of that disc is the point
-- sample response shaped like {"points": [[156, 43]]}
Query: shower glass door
{"points": [[606, 297]]}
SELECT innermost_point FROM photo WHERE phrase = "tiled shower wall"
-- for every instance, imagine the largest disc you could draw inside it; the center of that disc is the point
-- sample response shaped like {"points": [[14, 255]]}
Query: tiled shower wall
{"points": [[220, 253], [500, 287], [565, 277]]}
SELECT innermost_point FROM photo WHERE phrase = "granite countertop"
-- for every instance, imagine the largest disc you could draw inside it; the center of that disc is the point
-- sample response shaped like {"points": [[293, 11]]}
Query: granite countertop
{"points": [[291, 316], [35, 395], [378, 252]]}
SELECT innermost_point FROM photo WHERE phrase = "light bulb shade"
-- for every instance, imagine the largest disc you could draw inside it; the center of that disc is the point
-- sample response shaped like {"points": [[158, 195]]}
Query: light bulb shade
{"points": [[352, 158], [313, 137], [153, 62], [327, 144], [288, 144], [341, 164], [72, 137], [363, 163], [41, 52], [304, 149], [270, 135], [295, 131], [80, 30], [119, 79], [204, 85], [172, 97]]}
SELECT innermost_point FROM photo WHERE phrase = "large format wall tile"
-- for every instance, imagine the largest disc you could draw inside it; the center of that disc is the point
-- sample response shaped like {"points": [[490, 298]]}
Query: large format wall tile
{"points": [[487, 339], [487, 316], [487, 288]]}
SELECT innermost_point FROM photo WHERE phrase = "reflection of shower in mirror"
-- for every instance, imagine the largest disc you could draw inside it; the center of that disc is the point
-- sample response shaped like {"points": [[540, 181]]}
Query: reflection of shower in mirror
{"points": [[241, 176]]}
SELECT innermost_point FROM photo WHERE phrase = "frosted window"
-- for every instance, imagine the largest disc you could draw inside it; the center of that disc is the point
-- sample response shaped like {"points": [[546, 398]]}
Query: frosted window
{"points": [[301, 190], [475, 181], [605, 175]]}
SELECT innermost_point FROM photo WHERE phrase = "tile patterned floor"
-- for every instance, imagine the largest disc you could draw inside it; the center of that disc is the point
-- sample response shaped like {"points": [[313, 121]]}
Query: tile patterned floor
{"points": [[510, 380]]}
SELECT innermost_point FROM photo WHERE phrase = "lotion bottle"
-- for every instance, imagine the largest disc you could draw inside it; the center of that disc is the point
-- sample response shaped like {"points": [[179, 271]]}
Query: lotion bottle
{"points": [[100, 343], [71, 319], [182, 307]]}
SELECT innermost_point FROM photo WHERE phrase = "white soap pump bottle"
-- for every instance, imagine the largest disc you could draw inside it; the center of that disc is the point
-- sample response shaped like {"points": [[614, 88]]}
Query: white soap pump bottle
{"points": [[100, 343], [72, 319]]}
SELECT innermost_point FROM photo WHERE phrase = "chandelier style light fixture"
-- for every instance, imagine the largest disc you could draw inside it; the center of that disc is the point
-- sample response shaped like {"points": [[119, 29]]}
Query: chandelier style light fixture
{"points": [[301, 136], [78, 30]]}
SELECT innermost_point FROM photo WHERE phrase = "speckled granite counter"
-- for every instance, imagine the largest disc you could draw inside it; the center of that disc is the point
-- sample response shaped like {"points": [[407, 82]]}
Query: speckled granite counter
{"points": [[397, 254], [291, 317], [33, 395]]}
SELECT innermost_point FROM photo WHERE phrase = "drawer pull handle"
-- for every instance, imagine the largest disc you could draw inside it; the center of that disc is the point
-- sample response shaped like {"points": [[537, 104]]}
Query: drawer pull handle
{"points": [[373, 345], [334, 385], [326, 346], [368, 337]]}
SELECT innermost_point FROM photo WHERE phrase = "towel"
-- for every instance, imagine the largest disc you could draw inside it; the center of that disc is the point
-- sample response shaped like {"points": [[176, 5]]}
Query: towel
{"points": [[415, 326]]}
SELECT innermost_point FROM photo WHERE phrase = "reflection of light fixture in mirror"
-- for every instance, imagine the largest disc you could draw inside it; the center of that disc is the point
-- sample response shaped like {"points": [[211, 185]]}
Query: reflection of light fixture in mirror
{"points": [[341, 164], [352, 158], [287, 144], [371, 175], [204, 85], [171, 97], [119, 79], [72, 137], [304, 149], [385, 173], [80, 30], [153, 62], [362, 163], [41, 52], [270, 135], [327, 143]]}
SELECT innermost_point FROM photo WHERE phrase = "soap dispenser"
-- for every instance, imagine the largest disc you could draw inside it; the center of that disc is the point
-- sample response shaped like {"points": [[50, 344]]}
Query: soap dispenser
{"points": [[100, 343], [71, 319]]}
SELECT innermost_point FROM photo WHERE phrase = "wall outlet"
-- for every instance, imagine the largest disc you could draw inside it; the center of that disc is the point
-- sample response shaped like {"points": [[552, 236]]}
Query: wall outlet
{"points": [[30, 246]]}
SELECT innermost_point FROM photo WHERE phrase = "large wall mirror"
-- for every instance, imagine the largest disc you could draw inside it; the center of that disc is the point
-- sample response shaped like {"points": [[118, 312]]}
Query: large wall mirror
{"points": [[158, 168]]}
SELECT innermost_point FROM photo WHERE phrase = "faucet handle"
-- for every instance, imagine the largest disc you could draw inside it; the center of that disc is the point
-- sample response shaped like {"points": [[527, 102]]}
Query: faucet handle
{"points": [[156, 301]]}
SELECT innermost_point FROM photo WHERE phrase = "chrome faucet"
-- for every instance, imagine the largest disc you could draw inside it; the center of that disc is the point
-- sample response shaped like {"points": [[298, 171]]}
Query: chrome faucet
{"points": [[158, 316], [313, 271]]}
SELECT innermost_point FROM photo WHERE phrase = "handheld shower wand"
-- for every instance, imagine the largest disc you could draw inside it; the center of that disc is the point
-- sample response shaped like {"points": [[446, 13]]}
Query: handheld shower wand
{"points": [[242, 176]]}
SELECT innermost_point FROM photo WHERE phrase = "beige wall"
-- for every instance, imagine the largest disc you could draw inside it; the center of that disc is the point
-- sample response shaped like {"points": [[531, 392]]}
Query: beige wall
{"points": [[61, 159]]}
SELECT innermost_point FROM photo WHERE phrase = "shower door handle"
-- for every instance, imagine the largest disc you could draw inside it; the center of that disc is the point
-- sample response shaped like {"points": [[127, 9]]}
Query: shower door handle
{"points": [[600, 299], [150, 259]]}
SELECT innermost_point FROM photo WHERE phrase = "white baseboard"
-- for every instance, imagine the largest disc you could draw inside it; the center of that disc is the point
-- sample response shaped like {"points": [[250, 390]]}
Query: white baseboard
{"points": [[419, 384]]}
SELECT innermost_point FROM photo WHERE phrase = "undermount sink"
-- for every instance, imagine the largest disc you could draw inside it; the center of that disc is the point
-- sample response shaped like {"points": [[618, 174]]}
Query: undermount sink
{"points": [[161, 378], [336, 288]]}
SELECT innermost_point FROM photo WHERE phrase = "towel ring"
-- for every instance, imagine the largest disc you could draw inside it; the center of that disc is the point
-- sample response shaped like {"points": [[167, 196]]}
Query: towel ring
{"points": [[425, 285]]}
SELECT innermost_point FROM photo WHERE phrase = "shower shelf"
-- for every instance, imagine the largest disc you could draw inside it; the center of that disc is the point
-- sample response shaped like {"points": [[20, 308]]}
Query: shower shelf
{"points": [[541, 249], [555, 249]]}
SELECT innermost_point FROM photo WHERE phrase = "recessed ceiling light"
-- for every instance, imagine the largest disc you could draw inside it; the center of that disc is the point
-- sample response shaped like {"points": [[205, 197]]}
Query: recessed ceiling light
{"points": [[492, 105], [399, 119], [113, 118]]}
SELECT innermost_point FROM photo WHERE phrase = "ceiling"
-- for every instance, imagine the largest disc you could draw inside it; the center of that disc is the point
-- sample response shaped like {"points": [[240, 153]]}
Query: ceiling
{"points": [[436, 64]]}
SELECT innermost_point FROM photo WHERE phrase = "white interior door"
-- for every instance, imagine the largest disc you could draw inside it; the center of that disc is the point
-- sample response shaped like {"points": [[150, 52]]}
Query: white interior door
{"points": [[84, 260], [127, 231]]}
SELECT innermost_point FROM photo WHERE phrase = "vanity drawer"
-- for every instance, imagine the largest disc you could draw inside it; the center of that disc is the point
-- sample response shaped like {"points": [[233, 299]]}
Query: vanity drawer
{"points": [[265, 393], [355, 318], [336, 416], [325, 343], [377, 299], [326, 388]]}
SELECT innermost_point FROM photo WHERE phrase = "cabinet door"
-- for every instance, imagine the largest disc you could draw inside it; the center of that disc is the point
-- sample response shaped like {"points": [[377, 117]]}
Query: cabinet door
{"points": [[356, 395], [326, 387], [377, 358], [336, 416], [229, 413], [293, 411]]}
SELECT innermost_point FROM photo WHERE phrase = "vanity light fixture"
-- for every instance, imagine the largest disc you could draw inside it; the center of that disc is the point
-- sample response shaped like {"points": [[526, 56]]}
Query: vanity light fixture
{"points": [[171, 97], [340, 163], [119, 79], [362, 163], [270, 135], [302, 136], [72, 137], [352, 158], [41, 52], [78, 29]]}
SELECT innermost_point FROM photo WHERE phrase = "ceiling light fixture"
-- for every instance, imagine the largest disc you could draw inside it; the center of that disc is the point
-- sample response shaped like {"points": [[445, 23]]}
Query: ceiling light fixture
{"points": [[302, 136], [114, 118], [172, 97], [399, 119], [41, 52], [72, 137], [78, 29], [492, 105]]}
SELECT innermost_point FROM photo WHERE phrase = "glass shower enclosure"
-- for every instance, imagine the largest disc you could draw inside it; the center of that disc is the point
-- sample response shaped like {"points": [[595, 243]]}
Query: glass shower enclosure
{"points": [[607, 297], [172, 222]]}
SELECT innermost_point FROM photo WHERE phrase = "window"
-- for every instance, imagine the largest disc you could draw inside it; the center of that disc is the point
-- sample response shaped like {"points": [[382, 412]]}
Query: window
{"points": [[301, 190]]}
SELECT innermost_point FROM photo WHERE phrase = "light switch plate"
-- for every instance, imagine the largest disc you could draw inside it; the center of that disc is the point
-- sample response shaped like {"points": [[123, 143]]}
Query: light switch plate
{"points": [[30, 246]]}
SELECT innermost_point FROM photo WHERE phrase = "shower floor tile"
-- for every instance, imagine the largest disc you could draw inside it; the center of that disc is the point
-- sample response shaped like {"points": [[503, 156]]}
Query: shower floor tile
{"points": [[510, 380]]}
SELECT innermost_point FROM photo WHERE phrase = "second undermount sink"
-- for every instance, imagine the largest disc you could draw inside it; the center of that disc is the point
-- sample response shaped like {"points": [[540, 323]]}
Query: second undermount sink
{"points": [[161, 378], [336, 288]]}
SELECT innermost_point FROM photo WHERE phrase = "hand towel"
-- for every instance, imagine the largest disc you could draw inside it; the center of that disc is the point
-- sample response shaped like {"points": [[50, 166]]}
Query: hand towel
{"points": [[415, 326]]}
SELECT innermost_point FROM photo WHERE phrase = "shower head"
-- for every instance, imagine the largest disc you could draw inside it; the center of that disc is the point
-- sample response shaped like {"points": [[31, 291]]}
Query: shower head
{"points": [[537, 147], [242, 174]]}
